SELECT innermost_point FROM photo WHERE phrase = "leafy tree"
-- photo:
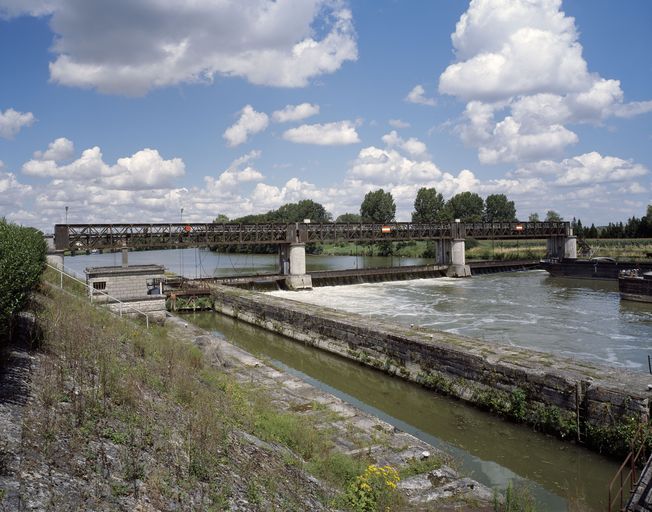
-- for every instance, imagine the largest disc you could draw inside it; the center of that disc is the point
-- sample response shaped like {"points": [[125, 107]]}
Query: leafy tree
{"points": [[429, 206], [349, 217], [553, 216], [378, 206], [290, 212], [305, 209], [534, 217], [498, 208], [466, 206], [221, 219]]}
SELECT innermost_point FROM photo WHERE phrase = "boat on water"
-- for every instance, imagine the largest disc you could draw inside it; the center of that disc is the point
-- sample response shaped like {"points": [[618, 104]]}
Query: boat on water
{"points": [[635, 285], [594, 268]]}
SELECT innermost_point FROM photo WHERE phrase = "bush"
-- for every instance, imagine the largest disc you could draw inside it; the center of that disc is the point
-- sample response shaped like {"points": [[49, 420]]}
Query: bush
{"points": [[22, 260]]}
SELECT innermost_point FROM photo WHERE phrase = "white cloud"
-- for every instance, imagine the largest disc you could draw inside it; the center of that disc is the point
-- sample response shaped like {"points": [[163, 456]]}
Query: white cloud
{"points": [[414, 147], [380, 166], [329, 134], [398, 124], [11, 190], [238, 172], [144, 169], [521, 70], [89, 165], [417, 95], [12, 8], [592, 168], [12, 121], [133, 47], [295, 112], [250, 122], [58, 150]]}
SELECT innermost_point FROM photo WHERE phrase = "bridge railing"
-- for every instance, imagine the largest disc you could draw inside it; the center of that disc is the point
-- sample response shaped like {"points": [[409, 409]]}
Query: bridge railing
{"points": [[123, 306], [85, 237]]}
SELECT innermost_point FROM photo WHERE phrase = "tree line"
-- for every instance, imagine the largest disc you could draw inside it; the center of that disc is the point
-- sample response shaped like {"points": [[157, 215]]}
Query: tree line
{"points": [[635, 227], [429, 206]]}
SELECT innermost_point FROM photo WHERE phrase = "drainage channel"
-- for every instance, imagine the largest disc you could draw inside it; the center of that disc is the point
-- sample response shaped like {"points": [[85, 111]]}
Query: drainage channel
{"points": [[559, 475]]}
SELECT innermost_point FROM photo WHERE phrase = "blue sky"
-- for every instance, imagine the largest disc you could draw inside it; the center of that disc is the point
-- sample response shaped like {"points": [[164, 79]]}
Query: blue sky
{"points": [[131, 110]]}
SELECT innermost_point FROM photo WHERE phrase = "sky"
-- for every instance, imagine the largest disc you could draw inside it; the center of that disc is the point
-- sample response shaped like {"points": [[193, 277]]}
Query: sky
{"points": [[132, 110]]}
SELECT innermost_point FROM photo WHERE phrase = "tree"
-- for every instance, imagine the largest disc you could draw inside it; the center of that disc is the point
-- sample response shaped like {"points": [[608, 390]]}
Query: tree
{"points": [[349, 217], [297, 212], [429, 206], [534, 217], [498, 209], [378, 206], [466, 206], [553, 216], [221, 219]]}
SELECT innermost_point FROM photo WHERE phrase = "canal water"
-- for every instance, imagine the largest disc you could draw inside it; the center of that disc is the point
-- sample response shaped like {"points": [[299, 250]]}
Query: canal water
{"points": [[576, 318]]}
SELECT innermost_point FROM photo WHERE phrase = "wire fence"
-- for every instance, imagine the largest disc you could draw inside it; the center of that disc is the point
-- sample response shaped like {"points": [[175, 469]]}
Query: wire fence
{"points": [[123, 307]]}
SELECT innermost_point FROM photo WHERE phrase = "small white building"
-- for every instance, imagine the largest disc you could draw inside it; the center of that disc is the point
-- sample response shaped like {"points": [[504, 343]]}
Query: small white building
{"points": [[129, 288]]}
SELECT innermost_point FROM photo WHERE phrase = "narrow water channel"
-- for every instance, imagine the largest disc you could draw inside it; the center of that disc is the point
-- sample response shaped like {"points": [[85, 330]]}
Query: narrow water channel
{"points": [[560, 475]]}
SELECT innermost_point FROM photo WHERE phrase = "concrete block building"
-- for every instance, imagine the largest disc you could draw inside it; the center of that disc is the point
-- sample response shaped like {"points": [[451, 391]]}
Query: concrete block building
{"points": [[137, 287]]}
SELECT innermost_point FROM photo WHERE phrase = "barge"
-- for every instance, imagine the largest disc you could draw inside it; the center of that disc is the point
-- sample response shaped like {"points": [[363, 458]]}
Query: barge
{"points": [[594, 268], [635, 285]]}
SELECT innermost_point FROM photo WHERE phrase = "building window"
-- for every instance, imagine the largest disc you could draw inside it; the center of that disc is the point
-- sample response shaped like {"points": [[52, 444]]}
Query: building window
{"points": [[99, 285]]}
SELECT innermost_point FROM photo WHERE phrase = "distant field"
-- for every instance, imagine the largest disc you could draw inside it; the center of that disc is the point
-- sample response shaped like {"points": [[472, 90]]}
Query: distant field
{"points": [[621, 249]]}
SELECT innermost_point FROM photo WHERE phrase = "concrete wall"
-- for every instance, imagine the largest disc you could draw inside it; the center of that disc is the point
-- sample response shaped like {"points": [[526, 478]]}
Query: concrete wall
{"points": [[571, 399], [125, 287], [154, 307]]}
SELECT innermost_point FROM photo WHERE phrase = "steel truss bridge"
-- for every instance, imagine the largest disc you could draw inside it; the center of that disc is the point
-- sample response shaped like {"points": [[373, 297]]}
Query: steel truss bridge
{"points": [[86, 237]]}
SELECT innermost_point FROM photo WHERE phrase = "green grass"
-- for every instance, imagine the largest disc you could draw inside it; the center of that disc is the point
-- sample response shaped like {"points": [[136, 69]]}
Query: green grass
{"points": [[110, 380]]}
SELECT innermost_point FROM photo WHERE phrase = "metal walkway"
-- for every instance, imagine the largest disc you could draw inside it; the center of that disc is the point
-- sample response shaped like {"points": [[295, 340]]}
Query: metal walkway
{"points": [[86, 237]]}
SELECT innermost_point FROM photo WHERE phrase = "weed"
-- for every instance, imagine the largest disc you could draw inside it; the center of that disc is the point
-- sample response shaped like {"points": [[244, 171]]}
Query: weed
{"points": [[514, 499]]}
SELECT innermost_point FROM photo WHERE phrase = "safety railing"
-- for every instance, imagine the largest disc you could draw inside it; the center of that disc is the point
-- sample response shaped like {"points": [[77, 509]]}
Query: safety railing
{"points": [[626, 478], [122, 306]]}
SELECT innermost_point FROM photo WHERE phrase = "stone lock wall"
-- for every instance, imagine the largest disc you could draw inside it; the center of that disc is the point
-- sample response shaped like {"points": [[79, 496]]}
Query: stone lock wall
{"points": [[570, 398]]}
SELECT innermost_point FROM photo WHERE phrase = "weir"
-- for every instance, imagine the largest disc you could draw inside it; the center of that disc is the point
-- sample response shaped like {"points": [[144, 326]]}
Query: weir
{"points": [[590, 403]]}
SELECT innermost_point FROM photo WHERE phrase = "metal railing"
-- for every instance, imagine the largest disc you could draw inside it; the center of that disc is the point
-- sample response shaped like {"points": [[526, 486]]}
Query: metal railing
{"points": [[626, 478], [62, 272], [88, 237]]}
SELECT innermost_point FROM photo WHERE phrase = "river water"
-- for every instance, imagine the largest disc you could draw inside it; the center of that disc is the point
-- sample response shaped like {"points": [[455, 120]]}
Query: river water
{"points": [[576, 318]]}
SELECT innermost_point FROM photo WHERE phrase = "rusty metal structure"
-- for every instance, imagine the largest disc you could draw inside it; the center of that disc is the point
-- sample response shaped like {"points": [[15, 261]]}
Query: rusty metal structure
{"points": [[87, 237]]}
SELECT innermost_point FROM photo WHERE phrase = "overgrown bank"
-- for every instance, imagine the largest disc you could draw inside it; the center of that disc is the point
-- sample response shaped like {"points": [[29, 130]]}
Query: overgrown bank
{"points": [[122, 418]]}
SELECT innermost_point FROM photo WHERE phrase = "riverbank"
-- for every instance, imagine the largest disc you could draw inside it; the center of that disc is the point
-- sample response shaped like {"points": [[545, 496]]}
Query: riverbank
{"points": [[123, 418], [597, 405]]}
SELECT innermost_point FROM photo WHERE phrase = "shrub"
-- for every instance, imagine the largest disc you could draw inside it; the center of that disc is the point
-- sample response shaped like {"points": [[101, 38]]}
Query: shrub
{"points": [[22, 260]]}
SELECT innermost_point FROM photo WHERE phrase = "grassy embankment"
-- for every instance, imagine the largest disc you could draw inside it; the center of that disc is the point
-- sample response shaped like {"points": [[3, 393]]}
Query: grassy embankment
{"points": [[621, 249], [121, 414]]}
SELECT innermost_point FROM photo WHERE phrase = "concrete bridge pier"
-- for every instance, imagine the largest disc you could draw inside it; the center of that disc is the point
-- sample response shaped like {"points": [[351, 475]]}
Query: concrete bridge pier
{"points": [[292, 260], [562, 247], [457, 266]]}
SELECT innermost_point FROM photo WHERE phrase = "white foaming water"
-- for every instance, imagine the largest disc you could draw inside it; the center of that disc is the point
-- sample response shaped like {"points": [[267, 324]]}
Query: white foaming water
{"points": [[583, 319]]}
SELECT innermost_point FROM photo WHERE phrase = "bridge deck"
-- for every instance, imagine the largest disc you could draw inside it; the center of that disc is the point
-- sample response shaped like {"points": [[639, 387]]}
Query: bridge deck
{"points": [[83, 237]]}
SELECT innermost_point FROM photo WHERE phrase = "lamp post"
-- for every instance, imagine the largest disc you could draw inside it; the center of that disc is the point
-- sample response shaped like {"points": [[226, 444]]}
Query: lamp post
{"points": [[66, 215], [181, 248]]}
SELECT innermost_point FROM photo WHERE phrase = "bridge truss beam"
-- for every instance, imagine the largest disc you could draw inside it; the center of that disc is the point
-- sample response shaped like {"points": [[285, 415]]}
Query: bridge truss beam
{"points": [[86, 237]]}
